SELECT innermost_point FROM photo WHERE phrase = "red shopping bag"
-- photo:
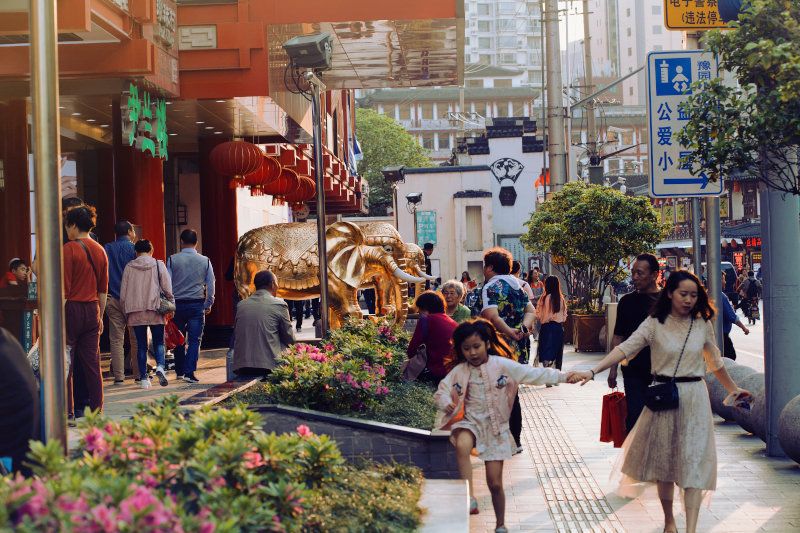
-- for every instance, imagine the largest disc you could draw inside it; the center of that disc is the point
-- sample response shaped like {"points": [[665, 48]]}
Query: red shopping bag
{"points": [[612, 421], [172, 335]]}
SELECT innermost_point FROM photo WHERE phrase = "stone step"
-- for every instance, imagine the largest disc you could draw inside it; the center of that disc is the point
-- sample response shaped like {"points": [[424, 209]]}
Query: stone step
{"points": [[445, 503]]}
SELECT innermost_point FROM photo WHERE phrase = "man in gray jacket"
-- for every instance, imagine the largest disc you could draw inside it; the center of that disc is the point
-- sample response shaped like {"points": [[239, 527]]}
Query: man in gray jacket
{"points": [[263, 328]]}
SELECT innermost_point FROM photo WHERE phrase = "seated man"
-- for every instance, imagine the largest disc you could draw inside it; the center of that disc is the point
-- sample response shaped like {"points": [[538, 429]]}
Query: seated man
{"points": [[263, 328]]}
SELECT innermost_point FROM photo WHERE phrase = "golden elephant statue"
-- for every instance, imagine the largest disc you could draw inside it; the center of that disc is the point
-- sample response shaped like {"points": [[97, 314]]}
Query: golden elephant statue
{"points": [[290, 252], [408, 256]]}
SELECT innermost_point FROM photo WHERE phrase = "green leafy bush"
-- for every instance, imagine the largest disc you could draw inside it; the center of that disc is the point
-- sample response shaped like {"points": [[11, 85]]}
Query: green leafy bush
{"points": [[409, 404], [166, 470]]}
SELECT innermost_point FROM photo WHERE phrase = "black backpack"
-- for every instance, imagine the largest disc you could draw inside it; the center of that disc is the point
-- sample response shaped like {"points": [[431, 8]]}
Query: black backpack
{"points": [[752, 289]]}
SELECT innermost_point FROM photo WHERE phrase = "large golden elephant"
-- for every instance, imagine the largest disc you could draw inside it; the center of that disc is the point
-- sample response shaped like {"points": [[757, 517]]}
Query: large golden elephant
{"points": [[290, 252], [391, 298]]}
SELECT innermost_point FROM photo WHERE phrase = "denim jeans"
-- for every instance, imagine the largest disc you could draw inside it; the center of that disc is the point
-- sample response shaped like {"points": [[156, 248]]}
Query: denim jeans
{"points": [[157, 331], [190, 318]]}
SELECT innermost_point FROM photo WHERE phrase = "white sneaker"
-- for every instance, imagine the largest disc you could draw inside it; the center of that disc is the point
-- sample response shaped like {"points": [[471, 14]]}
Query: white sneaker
{"points": [[145, 384]]}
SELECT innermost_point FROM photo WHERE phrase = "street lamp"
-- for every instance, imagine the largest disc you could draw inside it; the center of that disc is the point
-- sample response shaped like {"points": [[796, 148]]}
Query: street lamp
{"points": [[313, 53], [394, 175]]}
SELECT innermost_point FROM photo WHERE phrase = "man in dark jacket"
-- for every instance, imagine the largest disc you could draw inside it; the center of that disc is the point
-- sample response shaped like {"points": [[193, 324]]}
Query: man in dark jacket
{"points": [[19, 402], [632, 310]]}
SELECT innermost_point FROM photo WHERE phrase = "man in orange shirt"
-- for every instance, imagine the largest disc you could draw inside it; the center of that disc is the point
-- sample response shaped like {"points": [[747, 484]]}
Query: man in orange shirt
{"points": [[85, 291]]}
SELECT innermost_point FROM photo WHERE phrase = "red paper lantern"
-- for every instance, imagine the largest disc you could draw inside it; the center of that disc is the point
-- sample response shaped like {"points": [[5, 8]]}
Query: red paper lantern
{"points": [[284, 184], [270, 169], [306, 190], [237, 159]]}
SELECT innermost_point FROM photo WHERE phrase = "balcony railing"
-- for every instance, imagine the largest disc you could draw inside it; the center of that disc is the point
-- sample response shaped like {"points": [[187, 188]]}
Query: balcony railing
{"points": [[429, 124]]}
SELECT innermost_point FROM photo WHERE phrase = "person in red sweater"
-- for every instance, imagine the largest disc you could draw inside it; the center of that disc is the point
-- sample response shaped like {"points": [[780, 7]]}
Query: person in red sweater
{"points": [[85, 292], [434, 331]]}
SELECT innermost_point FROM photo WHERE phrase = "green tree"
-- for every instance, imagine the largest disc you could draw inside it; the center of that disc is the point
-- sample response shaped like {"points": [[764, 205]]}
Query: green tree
{"points": [[752, 127], [590, 229], [384, 143]]}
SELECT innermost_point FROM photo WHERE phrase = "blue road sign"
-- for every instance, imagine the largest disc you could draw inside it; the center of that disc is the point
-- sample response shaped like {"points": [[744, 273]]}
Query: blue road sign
{"points": [[669, 79]]}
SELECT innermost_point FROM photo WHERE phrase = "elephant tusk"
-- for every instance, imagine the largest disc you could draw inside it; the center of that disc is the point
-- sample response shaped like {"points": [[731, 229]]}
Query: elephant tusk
{"points": [[425, 275], [407, 277]]}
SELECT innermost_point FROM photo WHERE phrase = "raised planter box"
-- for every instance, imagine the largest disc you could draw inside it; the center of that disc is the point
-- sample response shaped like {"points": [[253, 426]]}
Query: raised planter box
{"points": [[569, 330], [364, 439], [587, 332]]}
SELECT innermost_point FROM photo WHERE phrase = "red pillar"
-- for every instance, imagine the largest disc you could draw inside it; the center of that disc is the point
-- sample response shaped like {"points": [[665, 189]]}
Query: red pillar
{"points": [[219, 230], [15, 215], [139, 190]]}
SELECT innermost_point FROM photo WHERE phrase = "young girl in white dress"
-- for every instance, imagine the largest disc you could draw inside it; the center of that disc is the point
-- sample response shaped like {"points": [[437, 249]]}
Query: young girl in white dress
{"points": [[475, 401], [675, 446]]}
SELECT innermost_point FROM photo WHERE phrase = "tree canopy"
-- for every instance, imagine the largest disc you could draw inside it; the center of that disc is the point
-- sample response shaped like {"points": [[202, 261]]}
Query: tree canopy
{"points": [[384, 143], [590, 229], [752, 127]]}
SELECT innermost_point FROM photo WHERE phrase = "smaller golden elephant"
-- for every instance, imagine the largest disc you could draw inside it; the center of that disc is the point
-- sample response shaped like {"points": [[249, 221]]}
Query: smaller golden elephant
{"points": [[290, 252]]}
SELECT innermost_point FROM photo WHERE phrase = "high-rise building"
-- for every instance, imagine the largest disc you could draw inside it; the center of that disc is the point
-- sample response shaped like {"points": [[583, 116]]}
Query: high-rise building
{"points": [[502, 78]]}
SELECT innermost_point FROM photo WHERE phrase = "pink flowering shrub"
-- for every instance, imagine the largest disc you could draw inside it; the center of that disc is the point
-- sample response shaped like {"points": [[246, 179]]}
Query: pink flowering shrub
{"points": [[167, 470], [327, 380]]}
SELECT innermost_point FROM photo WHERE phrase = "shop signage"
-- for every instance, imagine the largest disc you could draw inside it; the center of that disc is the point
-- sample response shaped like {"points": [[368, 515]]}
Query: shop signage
{"points": [[144, 122], [166, 23], [426, 227], [692, 15], [723, 208], [755, 257], [738, 260], [669, 84], [753, 242], [681, 212]]}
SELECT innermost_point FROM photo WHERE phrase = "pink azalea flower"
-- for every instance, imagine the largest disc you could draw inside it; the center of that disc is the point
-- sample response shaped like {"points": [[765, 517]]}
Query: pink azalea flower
{"points": [[95, 442], [329, 347], [253, 460], [304, 431], [104, 517], [218, 482]]}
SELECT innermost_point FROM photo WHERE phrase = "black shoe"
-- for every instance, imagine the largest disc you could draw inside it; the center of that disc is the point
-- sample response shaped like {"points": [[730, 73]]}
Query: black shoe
{"points": [[298, 328], [191, 378]]}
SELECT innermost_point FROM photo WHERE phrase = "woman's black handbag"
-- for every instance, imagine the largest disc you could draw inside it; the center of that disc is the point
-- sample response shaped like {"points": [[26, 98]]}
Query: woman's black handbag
{"points": [[664, 396]]}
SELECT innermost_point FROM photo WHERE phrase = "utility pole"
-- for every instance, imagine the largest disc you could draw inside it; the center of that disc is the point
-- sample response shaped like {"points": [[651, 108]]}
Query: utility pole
{"points": [[555, 101], [780, 235], [543, 104], [595, 168]]}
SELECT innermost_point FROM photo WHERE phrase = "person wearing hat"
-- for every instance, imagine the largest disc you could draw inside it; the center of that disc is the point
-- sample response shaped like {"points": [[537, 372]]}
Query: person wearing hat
{"points": [[427, 249], [17, 273]]}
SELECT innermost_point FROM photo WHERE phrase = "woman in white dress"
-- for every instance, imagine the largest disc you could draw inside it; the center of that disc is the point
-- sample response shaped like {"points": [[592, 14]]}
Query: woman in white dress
{"points": [[675, 446]]}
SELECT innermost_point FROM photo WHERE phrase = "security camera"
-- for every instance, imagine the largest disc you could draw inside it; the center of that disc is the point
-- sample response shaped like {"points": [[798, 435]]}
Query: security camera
{"points": [[414, 197], [310, 51]]}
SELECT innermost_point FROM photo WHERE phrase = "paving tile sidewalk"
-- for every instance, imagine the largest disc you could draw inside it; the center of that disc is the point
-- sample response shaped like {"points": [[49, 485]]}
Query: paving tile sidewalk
{"points": [[561, 482]]}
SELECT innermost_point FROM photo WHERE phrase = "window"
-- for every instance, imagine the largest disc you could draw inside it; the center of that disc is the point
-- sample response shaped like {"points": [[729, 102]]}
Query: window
{"points": [[630, 91], [502, 83], [507, 25], [474, 223], [426, 110], [630, 51], [629, 32], [502, 109], [474, 83], [534, 43], [535, 58], [535, 77], [509, 41], [507, 8], [485, 59], [405, 112], [484, 9], [484, 25], [656, 9], [657, 30], [508, 59], [427, 141], [484, 42], [627, 12], [466, 45]]}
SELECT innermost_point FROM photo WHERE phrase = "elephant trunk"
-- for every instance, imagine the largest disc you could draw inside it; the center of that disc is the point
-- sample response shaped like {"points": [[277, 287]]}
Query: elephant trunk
{"points": [[389, 263]]}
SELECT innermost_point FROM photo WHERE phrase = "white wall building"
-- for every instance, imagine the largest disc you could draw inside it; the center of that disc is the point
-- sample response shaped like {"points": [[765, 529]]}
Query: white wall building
{"points": [[466, 209]]}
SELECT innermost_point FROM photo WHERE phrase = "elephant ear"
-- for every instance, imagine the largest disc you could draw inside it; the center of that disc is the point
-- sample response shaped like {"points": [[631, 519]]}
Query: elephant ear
{"points": [[346, 251]]}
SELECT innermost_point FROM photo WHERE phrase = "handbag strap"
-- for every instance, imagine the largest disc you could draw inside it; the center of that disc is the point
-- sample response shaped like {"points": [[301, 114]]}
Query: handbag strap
{"points": [[691, 324], [91, 262]]}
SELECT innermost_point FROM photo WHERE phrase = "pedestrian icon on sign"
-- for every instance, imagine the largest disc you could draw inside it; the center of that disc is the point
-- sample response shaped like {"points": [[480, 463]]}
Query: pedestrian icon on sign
{"points": [[674, 76]]}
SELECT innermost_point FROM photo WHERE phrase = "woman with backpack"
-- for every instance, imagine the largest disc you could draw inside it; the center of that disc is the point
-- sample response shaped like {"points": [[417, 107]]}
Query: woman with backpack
{"points": [[144, 281]]}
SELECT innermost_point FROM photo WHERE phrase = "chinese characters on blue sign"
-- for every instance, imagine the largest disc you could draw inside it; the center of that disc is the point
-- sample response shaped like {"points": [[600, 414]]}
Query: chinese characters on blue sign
{"points": [[670, 76]]}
